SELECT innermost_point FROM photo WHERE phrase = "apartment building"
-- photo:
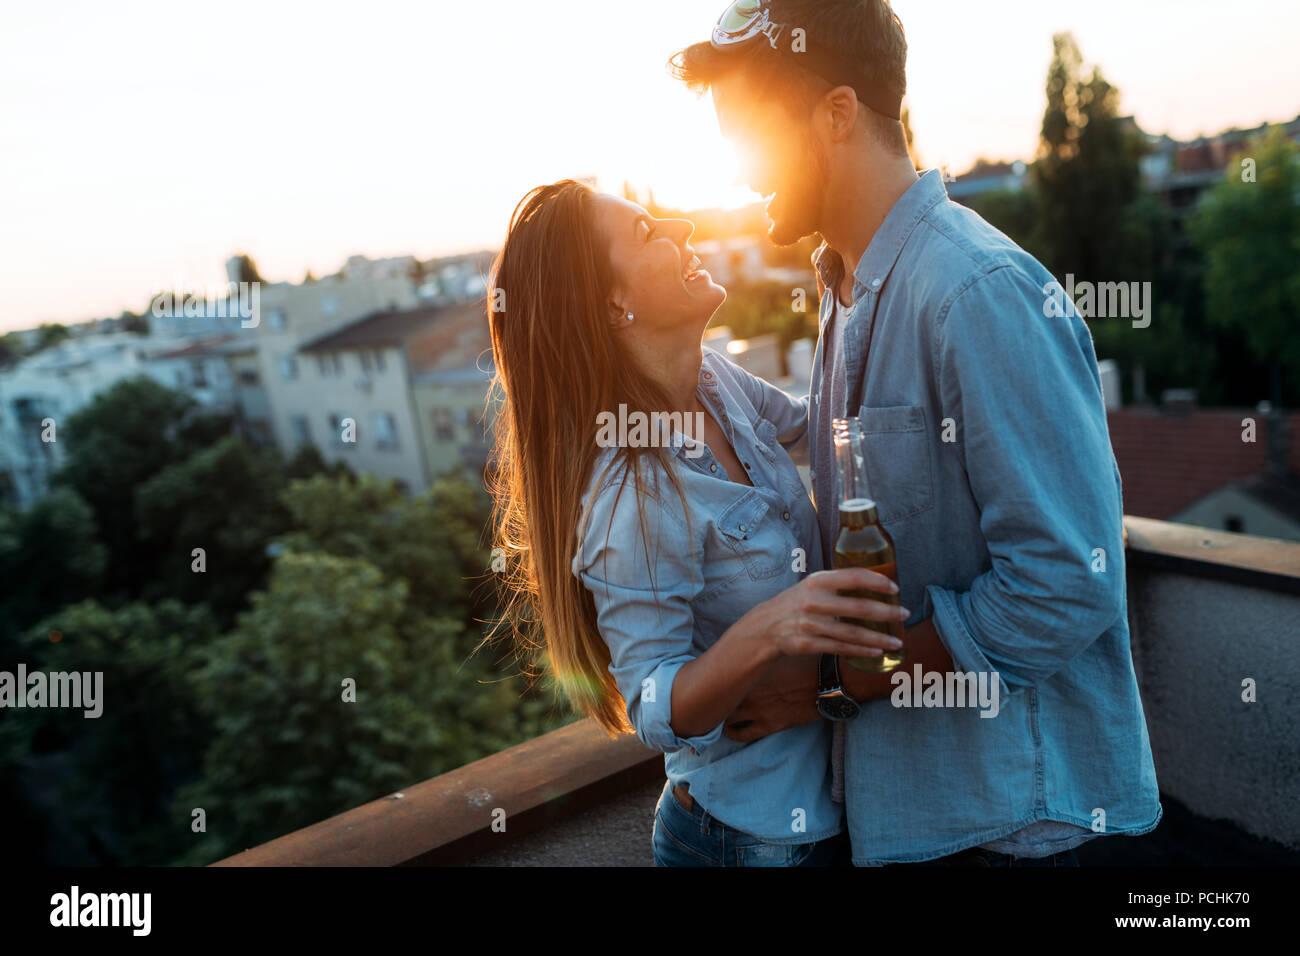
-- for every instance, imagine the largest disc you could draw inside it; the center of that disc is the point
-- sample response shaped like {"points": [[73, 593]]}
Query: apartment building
{"points": [[352, 395], [48, 387], [450, 394], [292, 316]]}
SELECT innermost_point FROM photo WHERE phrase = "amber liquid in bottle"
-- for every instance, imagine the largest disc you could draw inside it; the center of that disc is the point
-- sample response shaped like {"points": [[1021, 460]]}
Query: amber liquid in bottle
{"points": [[863, 543]]}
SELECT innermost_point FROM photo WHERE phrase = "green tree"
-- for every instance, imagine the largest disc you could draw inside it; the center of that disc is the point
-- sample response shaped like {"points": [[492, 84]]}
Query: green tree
{"points": [[131, 322], [123, 438], [1248, 227], [50, 556], [247, 271], [107, 783], [763, 307], [288, 749], [51, 333], [1086, 172], [224, 499], [431, 541], [307, 461], [11, 349], [1017, 213], [26, 822], [1087, 216]]}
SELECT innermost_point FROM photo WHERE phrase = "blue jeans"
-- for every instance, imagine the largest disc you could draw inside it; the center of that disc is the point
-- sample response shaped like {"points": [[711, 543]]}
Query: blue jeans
{"points": [[693, 838]]}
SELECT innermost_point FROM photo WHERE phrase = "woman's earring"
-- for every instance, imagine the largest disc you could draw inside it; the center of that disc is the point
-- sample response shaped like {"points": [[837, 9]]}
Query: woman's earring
{"points": [[629, 316]]}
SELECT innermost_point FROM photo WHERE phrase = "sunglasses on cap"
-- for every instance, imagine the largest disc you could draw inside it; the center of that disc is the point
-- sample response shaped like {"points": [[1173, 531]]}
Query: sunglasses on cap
{"points": [[746, 21]]}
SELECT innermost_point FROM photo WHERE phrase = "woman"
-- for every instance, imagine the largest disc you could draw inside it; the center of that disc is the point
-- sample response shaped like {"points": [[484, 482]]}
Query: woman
{"points": [[665, 576]]}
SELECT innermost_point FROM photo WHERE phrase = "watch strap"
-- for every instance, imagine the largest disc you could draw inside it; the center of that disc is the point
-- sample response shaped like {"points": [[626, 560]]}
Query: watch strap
{"points": [[828, 673]]}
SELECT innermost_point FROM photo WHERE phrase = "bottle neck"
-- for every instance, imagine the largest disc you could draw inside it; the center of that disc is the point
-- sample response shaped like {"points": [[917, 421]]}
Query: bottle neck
{"points": [[858, 513], [852, 492]]}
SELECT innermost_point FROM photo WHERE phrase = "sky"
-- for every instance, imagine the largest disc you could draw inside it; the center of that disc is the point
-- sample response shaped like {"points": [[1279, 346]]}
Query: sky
{"points": [[142, 143]]}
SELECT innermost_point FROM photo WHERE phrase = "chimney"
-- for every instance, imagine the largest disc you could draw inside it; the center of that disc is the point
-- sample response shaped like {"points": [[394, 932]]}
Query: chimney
{"points": [[1278, 439]]}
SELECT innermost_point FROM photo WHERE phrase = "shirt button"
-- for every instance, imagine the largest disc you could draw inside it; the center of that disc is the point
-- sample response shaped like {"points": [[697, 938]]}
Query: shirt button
{"points": [[785, 516], [713, 467], [875, 283], [743, 528]]}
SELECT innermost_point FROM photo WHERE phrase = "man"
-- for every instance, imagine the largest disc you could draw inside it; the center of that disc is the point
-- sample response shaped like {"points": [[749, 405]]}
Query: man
{"points": [[988, 454]]}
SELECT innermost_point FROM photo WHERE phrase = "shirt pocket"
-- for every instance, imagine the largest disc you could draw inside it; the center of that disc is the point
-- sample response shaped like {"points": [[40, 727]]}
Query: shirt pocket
{"points": [[898, 459], [747, 530]]}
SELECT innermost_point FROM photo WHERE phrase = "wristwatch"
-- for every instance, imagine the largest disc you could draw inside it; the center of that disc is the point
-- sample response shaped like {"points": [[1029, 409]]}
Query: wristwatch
{"points": [[832, 702]]}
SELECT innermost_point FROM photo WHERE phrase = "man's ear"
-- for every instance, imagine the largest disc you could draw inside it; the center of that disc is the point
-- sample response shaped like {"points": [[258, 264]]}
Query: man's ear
{"points": [[840, 107]]}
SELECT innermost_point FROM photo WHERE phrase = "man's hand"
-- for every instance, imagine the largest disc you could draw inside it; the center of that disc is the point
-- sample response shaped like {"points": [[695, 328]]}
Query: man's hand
{"points": [[785, 697], [924, 647]]}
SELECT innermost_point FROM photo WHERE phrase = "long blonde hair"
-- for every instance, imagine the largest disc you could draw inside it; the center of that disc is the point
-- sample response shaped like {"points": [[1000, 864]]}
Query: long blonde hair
{"points": [[558, 366]]}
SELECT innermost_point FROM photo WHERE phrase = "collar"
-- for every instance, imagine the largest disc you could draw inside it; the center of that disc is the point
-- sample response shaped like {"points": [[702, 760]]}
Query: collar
{"points": [[887, 244]]}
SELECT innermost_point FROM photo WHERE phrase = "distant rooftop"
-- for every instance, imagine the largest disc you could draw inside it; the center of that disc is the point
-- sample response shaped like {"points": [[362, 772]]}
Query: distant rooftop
{"points": [[439, 337], [1168, 461]]}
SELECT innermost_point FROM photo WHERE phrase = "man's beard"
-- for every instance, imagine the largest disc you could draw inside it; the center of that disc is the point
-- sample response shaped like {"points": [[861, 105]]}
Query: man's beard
{"points": [[801, 210]]}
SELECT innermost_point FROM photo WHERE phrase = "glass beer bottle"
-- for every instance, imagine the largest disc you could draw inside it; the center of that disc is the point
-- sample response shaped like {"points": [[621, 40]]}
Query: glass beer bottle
{"points": [[862, 542]]}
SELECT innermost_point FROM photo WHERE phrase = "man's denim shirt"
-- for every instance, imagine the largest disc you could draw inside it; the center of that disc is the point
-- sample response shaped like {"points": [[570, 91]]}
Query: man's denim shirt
{"points": [[988, 453], [665, 597]]}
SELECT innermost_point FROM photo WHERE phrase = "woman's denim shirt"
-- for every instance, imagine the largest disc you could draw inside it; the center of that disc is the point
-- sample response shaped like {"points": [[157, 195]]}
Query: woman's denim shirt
{"points": [[664, 597]]}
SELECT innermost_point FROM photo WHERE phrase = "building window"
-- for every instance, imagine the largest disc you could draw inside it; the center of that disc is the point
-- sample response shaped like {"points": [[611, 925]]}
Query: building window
{"points": [[288, 368], [385, 432], [249, 376], [442, 426], [277, 320], [379, 360], [199, 373], [336, 428], [329, 364], [365, 361], [301, 430]]}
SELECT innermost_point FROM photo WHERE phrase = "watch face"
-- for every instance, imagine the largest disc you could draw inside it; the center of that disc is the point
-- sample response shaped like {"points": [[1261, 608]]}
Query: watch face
{"points": [[836, 707]]}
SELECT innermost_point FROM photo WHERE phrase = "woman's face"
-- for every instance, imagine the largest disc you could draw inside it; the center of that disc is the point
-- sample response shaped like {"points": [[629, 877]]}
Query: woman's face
{"points": [[657, 276]]}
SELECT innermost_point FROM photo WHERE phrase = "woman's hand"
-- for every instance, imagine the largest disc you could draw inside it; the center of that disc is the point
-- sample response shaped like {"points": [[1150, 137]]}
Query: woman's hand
{"points": [[802, 619], [798, 622]]}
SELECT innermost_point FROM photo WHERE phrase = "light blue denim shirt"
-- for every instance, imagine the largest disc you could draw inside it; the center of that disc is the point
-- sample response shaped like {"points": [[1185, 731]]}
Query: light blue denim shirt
{"points": [[988, 453], [743, 545]]}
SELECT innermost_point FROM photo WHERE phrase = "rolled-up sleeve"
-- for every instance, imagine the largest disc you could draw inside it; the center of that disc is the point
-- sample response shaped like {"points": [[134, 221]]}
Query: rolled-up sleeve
{"points": [[642, 585], [1024, 391]]}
